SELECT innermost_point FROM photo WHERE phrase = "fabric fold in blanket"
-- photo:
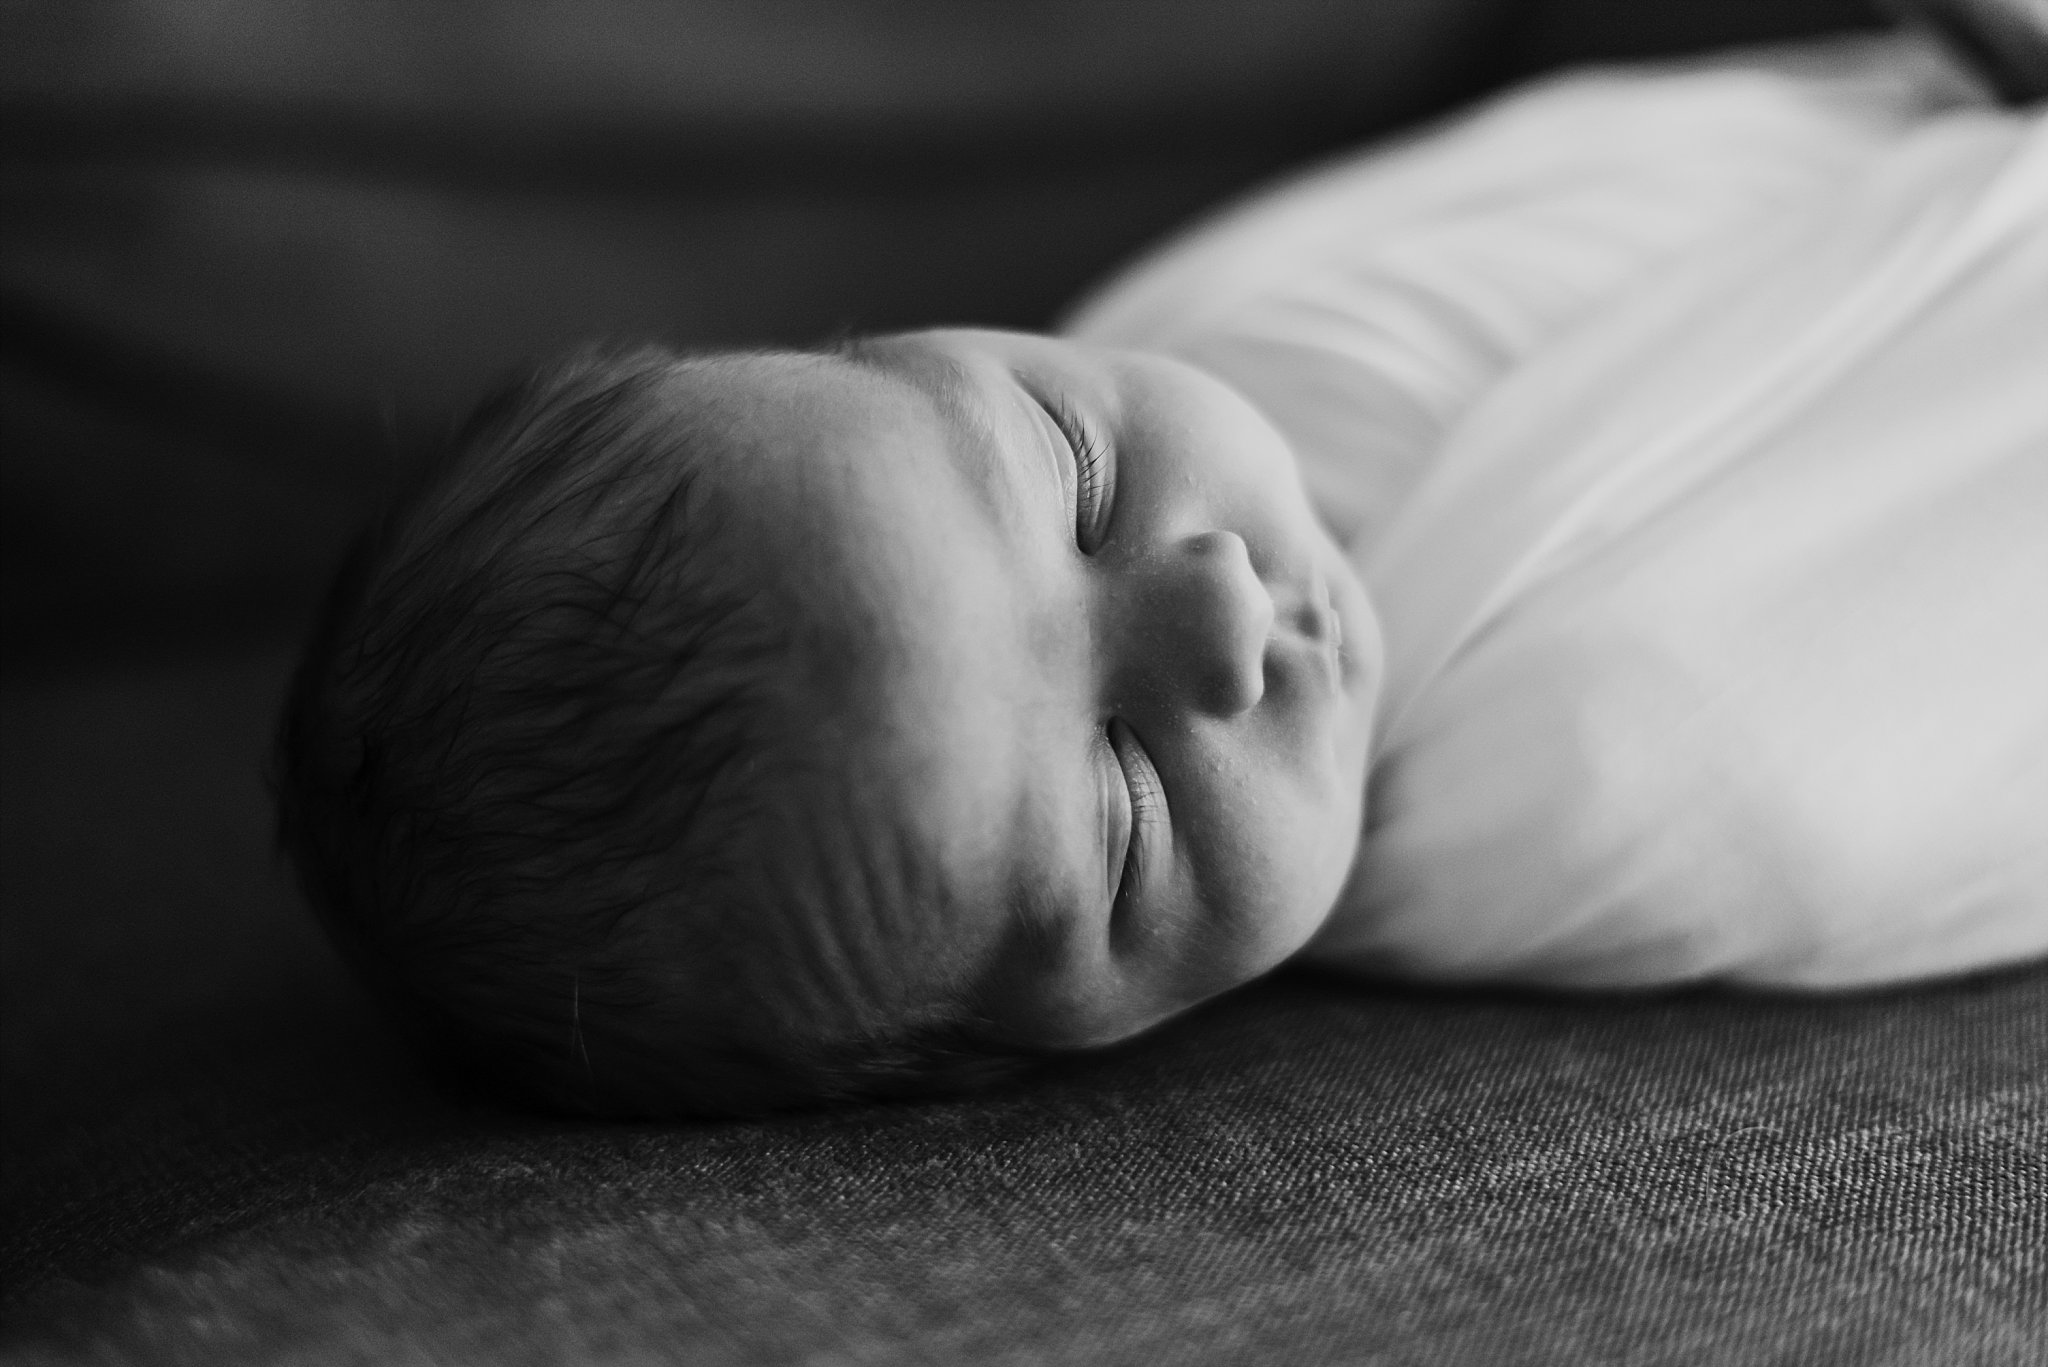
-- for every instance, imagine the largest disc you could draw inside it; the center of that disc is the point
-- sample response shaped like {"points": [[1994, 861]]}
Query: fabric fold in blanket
{"points": [[1720, 633], [1709, 529]]}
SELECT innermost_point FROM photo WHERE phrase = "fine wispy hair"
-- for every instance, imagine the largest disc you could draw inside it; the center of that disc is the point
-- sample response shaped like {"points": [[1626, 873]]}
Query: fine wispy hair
{"points": [[527, 776]]}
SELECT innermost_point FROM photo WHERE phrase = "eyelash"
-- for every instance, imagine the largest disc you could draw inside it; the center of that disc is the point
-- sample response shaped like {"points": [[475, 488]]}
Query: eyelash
{"points": [[1094, 484], [1146, 800]]}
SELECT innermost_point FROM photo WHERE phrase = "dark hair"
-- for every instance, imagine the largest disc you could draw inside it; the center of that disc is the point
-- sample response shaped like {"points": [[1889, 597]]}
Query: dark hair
{"points": [[524, 773]]}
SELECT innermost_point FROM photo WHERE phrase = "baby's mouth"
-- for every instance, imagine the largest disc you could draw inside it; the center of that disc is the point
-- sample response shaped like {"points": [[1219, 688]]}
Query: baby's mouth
{"points": [[1331, 615], [1321, 627], [1333, 637], [1355, 653]]}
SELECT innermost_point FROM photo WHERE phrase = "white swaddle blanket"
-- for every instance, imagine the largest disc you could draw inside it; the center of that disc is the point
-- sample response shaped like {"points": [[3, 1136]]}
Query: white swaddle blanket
{"points": [[1691, 431]]}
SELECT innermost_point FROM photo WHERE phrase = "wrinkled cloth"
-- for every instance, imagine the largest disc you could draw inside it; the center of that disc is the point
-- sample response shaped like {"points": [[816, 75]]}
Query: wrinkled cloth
{"points": [[1690, 428]]}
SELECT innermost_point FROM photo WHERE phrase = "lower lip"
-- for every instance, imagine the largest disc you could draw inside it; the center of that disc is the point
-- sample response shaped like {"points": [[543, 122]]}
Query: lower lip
{"points": [[1349, 663], [1330, 635]]}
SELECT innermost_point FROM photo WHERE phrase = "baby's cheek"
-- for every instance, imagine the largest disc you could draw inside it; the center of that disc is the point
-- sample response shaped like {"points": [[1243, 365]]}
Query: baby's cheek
{"points": [[1290, 865]]}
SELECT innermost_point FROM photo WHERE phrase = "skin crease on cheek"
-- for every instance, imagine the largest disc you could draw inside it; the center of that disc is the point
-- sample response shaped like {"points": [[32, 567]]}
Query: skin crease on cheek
{"points": [[1111, 681]]}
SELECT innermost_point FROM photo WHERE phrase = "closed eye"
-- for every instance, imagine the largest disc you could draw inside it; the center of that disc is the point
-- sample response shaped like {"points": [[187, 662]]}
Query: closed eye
{"points": [[1147, 807], [1095, 476]]}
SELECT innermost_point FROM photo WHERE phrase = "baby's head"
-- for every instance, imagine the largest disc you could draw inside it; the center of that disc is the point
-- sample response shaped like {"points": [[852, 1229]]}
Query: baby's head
{"points": [[720, 733]]}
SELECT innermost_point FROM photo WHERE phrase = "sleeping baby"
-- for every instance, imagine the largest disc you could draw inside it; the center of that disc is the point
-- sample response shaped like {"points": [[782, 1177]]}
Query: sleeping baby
{"points": [[1599, 543]]}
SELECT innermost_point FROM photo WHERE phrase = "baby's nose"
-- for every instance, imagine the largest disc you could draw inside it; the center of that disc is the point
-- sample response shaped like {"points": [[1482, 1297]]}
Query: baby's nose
{"points": [[1211, 618]]}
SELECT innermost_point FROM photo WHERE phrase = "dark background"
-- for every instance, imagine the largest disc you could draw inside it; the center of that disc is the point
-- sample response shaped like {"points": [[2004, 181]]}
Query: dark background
{"points": [[253, 254]]}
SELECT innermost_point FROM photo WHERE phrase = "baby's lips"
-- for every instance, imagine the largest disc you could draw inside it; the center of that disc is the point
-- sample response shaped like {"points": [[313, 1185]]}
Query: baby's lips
{"points": [[1333, 619], [1309, 611], [1314, 619], [1358, 649]]}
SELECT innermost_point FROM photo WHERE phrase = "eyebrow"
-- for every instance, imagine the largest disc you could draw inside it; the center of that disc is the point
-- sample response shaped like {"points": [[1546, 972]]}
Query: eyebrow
{"points": [[952, 389]]}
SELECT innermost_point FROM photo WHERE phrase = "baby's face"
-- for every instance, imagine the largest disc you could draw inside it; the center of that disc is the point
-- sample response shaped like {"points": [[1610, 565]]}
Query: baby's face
{"points": [[1108, 678]]}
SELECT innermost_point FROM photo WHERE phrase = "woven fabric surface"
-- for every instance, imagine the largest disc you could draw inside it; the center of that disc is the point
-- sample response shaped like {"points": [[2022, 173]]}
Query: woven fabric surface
{"points": [[214, 1155]]}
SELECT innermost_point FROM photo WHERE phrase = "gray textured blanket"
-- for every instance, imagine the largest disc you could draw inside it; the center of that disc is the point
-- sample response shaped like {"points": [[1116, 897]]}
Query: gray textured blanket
{"points": [[213, 1154]]}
